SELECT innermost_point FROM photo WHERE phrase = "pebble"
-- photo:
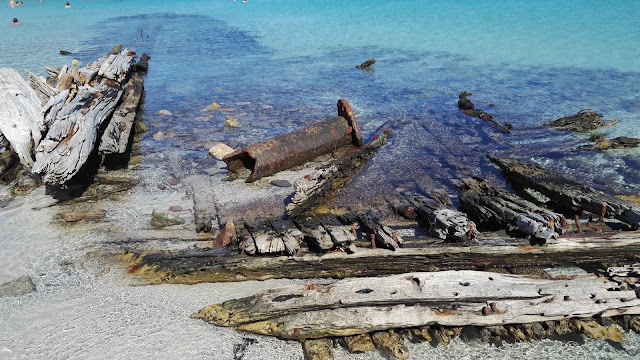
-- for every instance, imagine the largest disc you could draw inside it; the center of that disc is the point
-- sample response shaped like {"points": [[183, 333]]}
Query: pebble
{"points": [[140, 127], [232, 122], [158, 135], [175, 208], [219, 150], [161, 220], [212, 107], [20, 286], [280, 183]]}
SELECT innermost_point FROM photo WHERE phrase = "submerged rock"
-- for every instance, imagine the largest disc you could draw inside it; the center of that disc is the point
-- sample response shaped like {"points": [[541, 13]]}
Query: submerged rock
{"points": [[20, 286], [219, 150], [161, 220], [584, 121], [232, 122], [164, 112]]}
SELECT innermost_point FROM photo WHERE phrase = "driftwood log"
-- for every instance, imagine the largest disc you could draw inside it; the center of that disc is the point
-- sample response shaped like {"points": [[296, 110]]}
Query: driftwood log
{"points": [[584, 121], [197, 266], [447, 298], [77, 119], [20, 118], [488, 206], [566, 194]]}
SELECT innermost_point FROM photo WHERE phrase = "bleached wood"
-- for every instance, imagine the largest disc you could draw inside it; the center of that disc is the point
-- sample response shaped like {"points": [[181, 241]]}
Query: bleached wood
{"points": [[72, 137], [116, 136], [40, 86], [117, 66], [51, 109], [75, 120], [356, 306], [20, 117]]}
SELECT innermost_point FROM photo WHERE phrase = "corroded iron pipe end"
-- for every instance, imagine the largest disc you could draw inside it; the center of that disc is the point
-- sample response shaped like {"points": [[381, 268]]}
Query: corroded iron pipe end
{"points": [[295, 148], [345, 110]]}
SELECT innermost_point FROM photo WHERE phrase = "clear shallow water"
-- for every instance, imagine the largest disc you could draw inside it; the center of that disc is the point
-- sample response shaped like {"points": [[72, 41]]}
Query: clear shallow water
{"points": [[279, 65]]}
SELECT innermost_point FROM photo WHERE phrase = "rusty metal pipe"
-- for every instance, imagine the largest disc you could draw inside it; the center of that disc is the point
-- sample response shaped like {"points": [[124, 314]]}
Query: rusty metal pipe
{"points": [[296, 148]]}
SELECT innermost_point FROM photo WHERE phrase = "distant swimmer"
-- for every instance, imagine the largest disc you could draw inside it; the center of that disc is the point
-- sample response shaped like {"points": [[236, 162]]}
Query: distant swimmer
{"points": [[16, 22], [67, 6], [12, 4]]}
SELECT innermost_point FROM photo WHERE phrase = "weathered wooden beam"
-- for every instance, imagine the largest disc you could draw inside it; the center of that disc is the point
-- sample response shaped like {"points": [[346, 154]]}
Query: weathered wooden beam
{"points": [[20, 117], [265, 237], [490, 206], [312, 189], [317, 237], [291, 236], [40, 86], [567, 194], [381, 235], [436, 211], [446, 298], [116, 136], [190, 267]]}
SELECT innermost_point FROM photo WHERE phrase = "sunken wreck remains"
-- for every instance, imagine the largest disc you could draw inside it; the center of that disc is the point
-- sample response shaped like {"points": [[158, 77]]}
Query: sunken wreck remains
{"points": [[478, 269]]}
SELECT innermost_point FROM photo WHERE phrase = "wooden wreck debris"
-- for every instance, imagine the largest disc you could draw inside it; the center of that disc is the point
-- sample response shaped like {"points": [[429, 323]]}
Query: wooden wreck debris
{"points": [[312, 189], [356, 344], [296, 148], [463, 102], [291, 236], [566, 194], [20, 117], [197, 266], [446, 298], [73, 133], [436, 211], [316, 235], [488, 205], [380, 234], [584, 121], [245, 241], [116, 136], [266, 239], [40, 86]]}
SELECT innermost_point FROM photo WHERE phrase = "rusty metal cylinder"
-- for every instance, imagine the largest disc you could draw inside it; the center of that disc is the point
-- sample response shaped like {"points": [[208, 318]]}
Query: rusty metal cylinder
{"points": [[296, 148]]}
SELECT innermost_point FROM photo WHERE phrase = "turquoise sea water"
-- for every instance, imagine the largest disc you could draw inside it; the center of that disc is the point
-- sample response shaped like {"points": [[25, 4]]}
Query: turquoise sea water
{"points": [[281, 64]]}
